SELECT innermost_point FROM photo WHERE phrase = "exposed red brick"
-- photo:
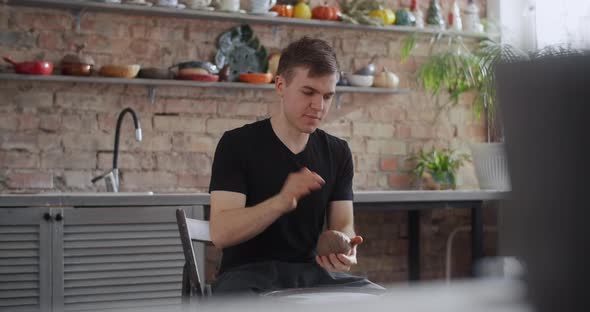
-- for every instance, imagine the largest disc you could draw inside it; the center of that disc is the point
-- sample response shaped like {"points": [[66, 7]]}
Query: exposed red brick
{"points": [[193, 180], [50, 122], [179, 123], [18, 159], [51, 40], [20, 180], [9, 121], [184, 162], [193, 106], [189, 142], [388, 164], [243, 109], [400, 181], [19, 141], [403, 131]]}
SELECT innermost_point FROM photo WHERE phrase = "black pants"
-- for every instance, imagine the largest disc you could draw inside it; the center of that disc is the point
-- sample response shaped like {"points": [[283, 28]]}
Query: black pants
{"points": [[266, 276]]}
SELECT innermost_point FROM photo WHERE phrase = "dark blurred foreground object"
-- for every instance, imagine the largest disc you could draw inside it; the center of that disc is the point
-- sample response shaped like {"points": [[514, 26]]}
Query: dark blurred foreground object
{"points": [[545, 106]]}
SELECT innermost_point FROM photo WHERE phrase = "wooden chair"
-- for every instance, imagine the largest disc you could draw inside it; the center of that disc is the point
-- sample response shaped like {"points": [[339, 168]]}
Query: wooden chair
{"points": [[193, 285]]}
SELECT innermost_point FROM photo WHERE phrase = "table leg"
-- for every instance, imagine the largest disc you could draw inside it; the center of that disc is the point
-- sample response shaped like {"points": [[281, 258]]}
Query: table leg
{"points": [[414, 245], [476, 235]]}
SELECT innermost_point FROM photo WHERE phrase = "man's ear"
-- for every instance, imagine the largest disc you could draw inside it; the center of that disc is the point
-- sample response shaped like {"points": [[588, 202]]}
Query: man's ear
{"points": [[280, 84]]}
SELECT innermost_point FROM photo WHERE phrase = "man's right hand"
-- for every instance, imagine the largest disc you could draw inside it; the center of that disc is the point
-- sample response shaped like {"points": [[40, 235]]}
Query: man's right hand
{"points": [[299, 184]]}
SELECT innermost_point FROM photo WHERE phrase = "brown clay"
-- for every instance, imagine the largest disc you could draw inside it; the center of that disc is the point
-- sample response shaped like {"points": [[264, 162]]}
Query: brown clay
{"points": [[333, 242]]}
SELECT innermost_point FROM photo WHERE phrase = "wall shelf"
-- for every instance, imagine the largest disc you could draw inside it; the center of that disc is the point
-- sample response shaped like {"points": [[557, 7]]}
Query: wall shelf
{"points": [[78, 7], [152, 84], [180, 83]]}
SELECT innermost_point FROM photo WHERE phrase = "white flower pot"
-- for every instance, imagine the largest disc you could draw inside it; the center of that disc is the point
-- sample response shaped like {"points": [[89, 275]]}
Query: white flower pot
{"points": [[491, 165]]}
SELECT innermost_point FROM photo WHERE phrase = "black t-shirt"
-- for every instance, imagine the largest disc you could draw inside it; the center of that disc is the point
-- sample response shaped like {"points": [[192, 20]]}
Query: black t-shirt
{"points": [[253, 161]]}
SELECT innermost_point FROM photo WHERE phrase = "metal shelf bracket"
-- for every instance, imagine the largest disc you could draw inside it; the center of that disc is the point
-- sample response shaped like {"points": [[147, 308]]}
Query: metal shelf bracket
{"points": [[152, 94], [338, 100], [78, 14]]}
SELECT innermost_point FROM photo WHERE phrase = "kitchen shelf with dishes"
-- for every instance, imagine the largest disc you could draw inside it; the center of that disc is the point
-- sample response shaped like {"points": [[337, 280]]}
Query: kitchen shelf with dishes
{"points": [[240, 62], [78, 7], [152, 84]]}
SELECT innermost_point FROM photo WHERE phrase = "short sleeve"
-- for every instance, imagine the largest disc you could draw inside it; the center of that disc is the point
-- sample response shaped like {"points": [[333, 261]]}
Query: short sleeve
{"points": [[344, 175], [228, 171]]}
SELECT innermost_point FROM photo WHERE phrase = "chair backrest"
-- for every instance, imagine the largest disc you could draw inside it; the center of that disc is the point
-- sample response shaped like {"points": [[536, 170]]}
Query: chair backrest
{"points": [[191, 230]]}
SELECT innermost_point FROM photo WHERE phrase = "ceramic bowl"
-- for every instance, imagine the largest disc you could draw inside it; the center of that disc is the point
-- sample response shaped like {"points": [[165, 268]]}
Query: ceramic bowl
{"points": [[256, 77], [120, 71], [359, 80], [209, 67], [76, 69], [193, 71], [198, 77], [155, 73]]}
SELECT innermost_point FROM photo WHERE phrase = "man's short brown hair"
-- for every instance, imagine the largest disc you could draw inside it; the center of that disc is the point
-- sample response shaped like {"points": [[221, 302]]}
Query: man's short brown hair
{"points": [[313, 54]]}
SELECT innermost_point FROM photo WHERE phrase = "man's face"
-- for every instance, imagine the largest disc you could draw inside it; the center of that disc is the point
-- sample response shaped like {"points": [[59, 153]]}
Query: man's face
{"points": [[306, 100]]}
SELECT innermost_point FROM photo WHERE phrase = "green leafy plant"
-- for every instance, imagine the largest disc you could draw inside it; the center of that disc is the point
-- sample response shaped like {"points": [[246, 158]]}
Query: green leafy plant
{"points": [[451, 72], [453, 69], [450, 68], [408, 45], [487, 57], [440, 165]]}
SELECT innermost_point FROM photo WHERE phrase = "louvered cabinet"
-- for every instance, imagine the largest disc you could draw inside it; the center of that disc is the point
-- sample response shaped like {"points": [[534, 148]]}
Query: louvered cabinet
{"points": [[25, 259], [90, 258]]}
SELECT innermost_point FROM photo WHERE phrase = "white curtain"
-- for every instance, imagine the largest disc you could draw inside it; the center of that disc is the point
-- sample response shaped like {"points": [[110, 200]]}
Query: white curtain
{"points": [[562, 22]]}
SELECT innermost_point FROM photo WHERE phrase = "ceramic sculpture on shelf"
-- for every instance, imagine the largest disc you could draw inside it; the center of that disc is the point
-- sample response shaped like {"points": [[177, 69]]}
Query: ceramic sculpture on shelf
{"points": [[471, 18], [457, 23], [418, 15], [434, 16], [403, 17]]}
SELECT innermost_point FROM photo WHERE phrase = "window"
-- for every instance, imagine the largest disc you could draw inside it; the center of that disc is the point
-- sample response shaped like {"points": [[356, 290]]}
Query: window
{"points": [[562, 22]]}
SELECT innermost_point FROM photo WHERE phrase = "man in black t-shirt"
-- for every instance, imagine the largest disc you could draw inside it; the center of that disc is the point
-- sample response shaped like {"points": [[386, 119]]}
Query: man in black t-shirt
{"points": [[275, 181]]}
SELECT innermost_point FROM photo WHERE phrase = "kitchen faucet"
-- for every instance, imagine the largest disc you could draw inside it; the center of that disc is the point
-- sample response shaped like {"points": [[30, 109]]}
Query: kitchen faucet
{"points": [[111, 178]]}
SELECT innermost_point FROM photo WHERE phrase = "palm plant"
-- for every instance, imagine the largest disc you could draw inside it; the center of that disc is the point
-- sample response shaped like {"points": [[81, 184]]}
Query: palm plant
{"points": [[454, 69], [487, 57]]}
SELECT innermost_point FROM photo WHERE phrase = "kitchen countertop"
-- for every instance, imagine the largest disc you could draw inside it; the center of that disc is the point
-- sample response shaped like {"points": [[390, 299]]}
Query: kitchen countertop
{"points": [[182, 199]]}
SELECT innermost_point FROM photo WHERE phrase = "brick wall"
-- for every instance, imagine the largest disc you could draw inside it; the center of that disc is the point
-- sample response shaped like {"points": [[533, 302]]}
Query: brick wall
{"points": [[57, 136]]}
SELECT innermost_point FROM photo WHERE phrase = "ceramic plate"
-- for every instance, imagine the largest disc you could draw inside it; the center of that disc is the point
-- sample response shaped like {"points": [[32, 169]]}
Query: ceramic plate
{"points": [[209, 8], [138, 2], [196, 77], [241, 50], [264, 13], [240, 11], [178, 6]]}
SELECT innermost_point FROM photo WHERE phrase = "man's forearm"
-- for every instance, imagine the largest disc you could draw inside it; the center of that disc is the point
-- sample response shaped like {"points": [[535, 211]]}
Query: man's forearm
{"points": [[238, 225]]}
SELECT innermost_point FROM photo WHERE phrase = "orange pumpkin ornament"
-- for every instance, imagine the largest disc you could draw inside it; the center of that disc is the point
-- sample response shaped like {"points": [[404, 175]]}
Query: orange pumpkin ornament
{"points": [[284, 10], [327, 13]]}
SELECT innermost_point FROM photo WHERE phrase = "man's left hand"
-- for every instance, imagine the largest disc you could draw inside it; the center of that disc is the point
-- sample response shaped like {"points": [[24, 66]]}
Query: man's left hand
{"points": [[340, 262]]}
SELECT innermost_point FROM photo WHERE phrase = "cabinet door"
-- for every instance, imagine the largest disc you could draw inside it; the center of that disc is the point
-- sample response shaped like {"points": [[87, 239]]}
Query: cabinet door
{"points": [[120, 257], [25, 258]]}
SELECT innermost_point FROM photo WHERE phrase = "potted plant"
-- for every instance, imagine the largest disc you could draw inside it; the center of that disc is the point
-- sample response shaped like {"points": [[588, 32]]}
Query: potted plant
{"points": [[489, 158], [453, 70], [437, 169]]}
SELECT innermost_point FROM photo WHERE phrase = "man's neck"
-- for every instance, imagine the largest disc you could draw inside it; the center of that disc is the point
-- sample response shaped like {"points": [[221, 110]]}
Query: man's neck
{"points": [[294, 139]]}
